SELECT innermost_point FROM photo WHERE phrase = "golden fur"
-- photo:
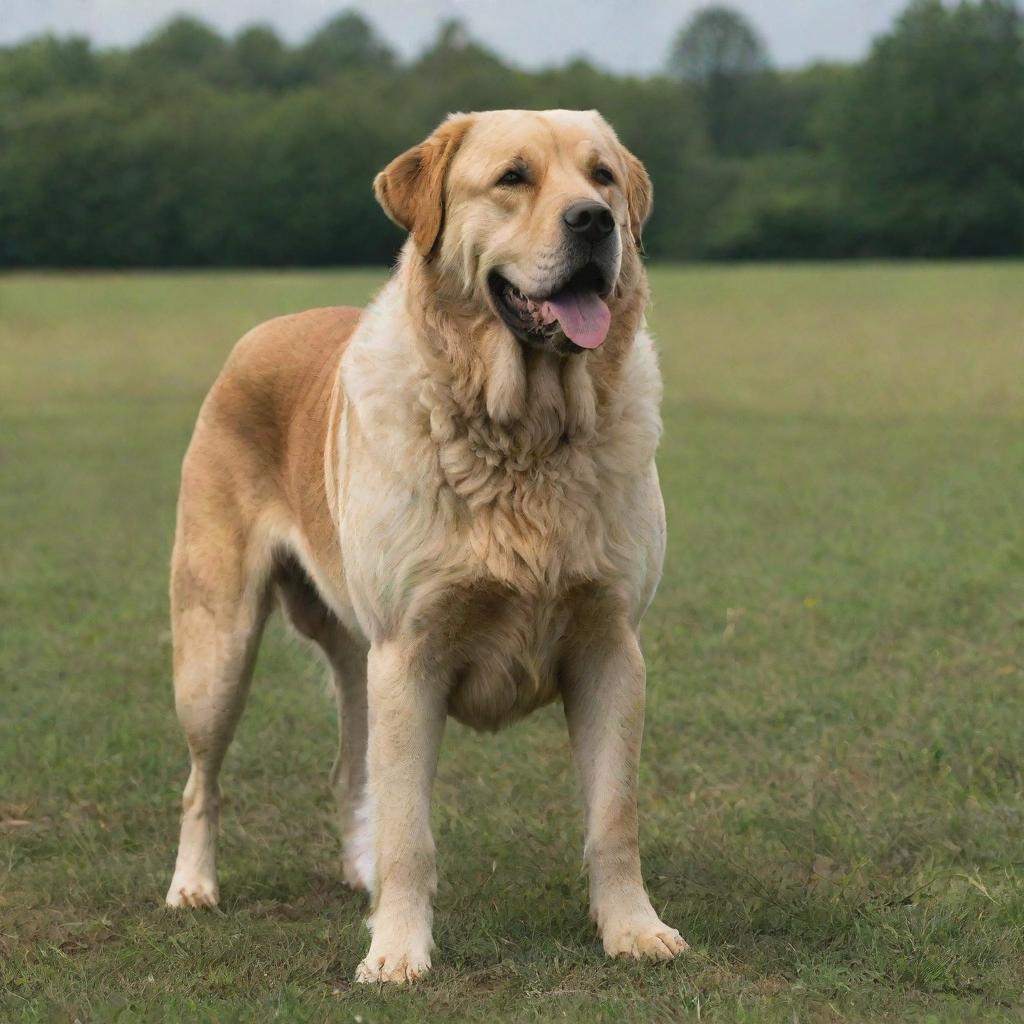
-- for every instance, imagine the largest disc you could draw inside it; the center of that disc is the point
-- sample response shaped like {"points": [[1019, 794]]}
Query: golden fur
{"points": [[462, 523]]}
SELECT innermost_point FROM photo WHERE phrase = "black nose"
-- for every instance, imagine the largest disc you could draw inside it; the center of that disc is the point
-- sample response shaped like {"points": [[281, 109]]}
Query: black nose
{"points": [[590, 220]]}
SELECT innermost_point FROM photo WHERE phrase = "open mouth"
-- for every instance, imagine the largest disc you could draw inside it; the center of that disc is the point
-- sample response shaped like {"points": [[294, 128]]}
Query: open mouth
{"points": [[572, 318]]}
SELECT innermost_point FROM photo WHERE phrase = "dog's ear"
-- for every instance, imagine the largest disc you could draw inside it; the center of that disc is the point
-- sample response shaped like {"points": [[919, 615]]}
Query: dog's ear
{"points": [[639, 194], [411, 187]]}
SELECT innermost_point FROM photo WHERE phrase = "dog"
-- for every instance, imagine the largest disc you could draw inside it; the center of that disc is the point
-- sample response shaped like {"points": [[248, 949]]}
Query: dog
{"points": [[453, 495]]}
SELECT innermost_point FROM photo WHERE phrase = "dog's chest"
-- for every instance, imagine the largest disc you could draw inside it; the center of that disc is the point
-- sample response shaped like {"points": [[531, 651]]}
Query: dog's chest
{"points": [[536, 528]]}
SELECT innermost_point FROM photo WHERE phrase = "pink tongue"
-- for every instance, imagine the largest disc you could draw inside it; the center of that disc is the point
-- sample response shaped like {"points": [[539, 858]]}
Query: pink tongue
{"points": [[584, 317]]}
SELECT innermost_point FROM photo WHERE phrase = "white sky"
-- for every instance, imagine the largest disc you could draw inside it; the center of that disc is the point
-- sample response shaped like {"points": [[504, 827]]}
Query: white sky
{"points": [[622, 35]]}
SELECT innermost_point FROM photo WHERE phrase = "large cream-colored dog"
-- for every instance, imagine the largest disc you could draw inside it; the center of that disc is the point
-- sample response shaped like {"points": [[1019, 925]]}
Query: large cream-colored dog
{"points": [[453, 494]]}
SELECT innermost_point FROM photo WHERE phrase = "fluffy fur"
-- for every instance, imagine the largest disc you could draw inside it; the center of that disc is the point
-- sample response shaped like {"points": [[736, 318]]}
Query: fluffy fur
{"points": [[464, 524]]}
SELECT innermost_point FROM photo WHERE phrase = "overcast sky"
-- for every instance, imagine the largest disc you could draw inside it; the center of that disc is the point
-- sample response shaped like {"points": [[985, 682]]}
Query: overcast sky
{"points": [[623, 35]]}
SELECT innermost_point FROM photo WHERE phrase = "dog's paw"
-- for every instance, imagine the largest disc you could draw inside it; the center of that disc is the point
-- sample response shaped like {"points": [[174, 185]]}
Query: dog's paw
{"points": [[642, 939], [396, 969], [193, 892]]}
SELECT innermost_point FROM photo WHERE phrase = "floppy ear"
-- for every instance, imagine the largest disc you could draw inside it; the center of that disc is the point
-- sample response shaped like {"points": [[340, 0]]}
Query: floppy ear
{"points": [[411, 187], [639, 194]]}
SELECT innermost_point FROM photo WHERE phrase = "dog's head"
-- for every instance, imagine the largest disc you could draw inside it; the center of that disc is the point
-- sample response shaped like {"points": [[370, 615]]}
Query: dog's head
{"points": [[533, 216]]}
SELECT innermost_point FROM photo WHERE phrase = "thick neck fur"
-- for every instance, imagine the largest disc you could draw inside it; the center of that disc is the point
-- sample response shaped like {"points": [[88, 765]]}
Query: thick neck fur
{"points": [[523, 440], [519, 407], [515, 429]]}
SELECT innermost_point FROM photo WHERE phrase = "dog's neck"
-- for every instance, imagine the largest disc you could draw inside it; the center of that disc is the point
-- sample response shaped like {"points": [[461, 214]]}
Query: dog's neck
{"points": [[512, 406], [521, 446]]}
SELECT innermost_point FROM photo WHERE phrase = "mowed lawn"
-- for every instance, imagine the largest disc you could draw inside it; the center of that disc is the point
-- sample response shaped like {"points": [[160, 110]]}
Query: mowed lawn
{"points": [[833, 778]]}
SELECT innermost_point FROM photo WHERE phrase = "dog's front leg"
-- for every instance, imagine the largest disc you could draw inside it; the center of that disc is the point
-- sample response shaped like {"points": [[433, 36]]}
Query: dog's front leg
{"points": [[407, 711], [603, 691]]}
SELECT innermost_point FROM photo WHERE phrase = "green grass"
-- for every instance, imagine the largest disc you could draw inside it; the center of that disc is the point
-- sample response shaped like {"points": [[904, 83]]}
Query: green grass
{"points": [[832, 797]]}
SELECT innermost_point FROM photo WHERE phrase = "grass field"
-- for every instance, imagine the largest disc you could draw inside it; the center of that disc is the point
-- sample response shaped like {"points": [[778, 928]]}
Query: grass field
{"points": [[833, 780]]}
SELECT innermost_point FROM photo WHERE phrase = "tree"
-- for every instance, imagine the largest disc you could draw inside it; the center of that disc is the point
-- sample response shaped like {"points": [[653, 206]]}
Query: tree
{"points": [[46, 65], [719, 55], [260, 58], [717, 43], [183, 44], [457, 73], [930, 133], [346, 41]]}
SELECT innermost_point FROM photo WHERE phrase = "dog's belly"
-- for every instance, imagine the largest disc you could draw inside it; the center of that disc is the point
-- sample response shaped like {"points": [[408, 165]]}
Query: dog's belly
{"points": [[489, 698], [507, 649]]}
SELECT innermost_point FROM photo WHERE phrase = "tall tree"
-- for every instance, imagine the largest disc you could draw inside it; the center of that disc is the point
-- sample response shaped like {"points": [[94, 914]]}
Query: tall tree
{"points": [[931, 133], [260, 58], [346, 41], [720, 55], [463, 73], [183, 44]]}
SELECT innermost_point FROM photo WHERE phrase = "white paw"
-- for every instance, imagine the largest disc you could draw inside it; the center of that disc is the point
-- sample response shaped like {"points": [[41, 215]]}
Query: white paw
{"points": [[192, 892], [396, 968], [642, 938]]}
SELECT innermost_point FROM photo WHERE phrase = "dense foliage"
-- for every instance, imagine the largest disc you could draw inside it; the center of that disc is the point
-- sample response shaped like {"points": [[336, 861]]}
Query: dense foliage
{"points": [[193, 149]]}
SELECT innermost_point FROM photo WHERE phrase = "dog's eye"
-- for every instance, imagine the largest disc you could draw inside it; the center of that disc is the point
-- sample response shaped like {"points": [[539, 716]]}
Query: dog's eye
{"points": [[603, 176], [513, 176]]}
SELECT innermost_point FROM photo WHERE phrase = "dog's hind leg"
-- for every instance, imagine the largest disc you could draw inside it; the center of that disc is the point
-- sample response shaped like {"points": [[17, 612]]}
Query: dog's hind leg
{"points": [[219, 604], [348, 777], [346, 655]]}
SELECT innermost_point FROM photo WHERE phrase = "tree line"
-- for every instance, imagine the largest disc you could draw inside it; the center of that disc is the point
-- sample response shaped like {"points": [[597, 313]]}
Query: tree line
{"points": [[192, 149]]}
